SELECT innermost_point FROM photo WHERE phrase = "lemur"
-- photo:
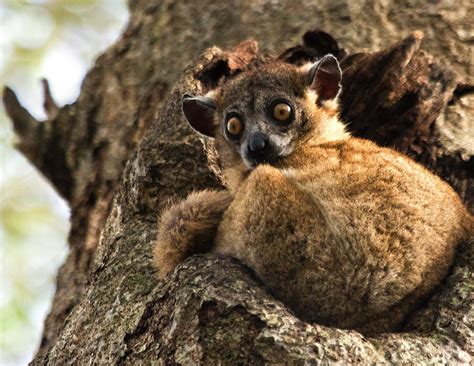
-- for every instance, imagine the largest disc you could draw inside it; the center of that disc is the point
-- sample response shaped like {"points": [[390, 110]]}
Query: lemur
{"points": [[344, 232]]}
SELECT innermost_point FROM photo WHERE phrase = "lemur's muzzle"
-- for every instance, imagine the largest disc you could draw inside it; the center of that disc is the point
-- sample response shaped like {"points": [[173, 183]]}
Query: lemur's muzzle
{"points": [[259, 149]]}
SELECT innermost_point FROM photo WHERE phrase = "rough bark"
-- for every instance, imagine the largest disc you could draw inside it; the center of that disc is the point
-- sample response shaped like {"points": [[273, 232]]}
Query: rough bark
{"points": [[122, 150]]}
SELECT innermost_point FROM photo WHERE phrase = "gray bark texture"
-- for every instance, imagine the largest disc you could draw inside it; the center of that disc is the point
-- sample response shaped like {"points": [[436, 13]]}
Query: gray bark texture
{"points": [[123, 150]]}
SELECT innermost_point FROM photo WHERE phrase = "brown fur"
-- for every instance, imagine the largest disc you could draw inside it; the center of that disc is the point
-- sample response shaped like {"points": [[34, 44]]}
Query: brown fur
{"points": [[188, 228], [344, 232]]}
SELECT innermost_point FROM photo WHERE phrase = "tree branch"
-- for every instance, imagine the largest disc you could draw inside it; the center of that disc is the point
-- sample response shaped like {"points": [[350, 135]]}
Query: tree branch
{"points": [[24, 124], [49, 104]]}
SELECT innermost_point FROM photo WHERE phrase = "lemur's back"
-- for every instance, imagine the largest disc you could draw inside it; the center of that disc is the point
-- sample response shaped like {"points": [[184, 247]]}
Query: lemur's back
{"points": [[383, 232]]}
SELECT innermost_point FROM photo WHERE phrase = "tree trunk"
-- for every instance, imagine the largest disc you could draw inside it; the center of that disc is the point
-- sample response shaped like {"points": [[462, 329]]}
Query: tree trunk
{"points": [[122, 150]]}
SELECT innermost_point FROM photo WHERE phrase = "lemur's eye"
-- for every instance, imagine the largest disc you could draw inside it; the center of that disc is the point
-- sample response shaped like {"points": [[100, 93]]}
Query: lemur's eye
{"points": [[234, 126], [282, 112]]}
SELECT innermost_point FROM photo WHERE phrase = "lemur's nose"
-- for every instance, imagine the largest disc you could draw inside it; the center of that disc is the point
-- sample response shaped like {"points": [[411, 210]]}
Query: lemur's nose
{"points": [[258, 142]]}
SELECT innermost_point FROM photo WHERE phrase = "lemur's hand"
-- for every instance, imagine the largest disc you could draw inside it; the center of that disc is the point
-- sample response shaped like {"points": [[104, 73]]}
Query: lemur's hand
{"points": [[188, 228]]}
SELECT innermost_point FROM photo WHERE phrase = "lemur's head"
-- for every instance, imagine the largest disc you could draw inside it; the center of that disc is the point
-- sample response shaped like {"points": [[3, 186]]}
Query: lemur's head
{"points": [[264, 115]]}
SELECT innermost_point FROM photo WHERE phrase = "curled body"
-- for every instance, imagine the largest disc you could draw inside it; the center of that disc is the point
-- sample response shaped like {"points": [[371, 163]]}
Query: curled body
{"points": [[336, 238], [342, 231]]}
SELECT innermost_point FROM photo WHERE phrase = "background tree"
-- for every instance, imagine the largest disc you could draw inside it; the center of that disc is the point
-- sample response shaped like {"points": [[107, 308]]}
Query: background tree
{"points": [[122, 150], [58, 40]]}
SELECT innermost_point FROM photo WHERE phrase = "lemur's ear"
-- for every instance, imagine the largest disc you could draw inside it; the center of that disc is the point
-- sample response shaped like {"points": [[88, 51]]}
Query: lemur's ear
{"points": [[199, 111], [325, 78]]}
